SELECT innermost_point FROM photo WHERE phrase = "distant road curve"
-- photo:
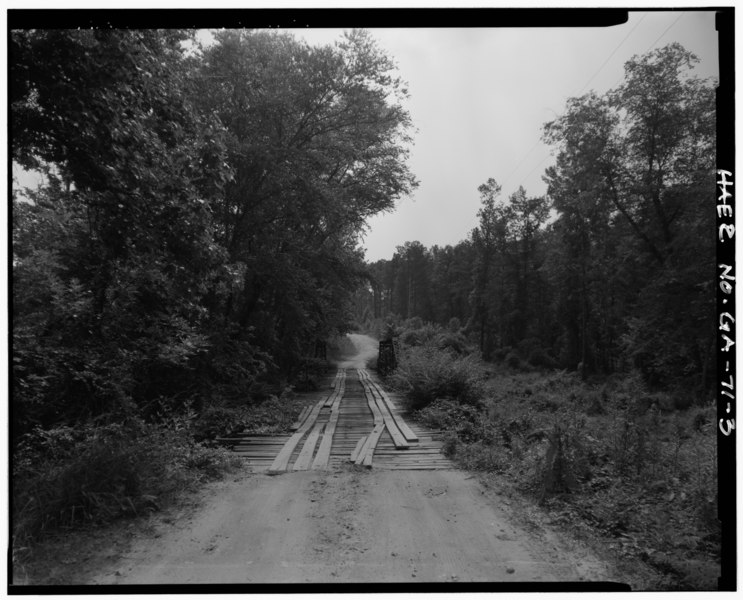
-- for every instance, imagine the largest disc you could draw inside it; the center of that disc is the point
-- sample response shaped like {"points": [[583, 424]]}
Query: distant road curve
{"points": [[365, 348]]}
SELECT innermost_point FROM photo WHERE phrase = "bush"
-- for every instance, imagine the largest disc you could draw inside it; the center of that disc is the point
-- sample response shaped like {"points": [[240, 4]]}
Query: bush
{"points": [[539, 358], [274, 415], [565, 461], [500, 354], [65, 476], [455, 342], [513, 360], [219, 421], [465, 421], [594, 403], [427, 373]]}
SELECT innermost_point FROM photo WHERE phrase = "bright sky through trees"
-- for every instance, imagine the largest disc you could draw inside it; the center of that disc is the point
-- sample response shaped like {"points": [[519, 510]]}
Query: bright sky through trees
{"points": [[479, 98]]}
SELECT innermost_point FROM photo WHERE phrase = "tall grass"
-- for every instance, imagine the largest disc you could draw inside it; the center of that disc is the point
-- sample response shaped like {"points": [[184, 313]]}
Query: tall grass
{"points": [[63, 477], [638, 468]]}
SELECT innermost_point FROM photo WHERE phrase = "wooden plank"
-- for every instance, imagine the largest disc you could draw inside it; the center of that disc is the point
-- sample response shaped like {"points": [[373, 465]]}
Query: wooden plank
{"points": [[397, 437], [362, 452], [372, 445], [300, 419], [372, 405], [303, 460], [323, 452], [365, 456], [338, 387], [282, 459], [357, 449], [400, 422]]}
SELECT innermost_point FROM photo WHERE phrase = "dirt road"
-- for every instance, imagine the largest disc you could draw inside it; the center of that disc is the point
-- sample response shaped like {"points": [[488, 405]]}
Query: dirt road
{"points": [[364, 349], [349, 524]]}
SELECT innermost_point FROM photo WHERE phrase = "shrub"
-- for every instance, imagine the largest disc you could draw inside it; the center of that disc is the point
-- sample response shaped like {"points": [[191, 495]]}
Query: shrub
{"points": [[480, 456], [421, 334], [449, 447], [539, 358], [594, 403], [565, 461], [427, 373], [448, 414], [219, 421], [274, 415], [411, 338], [513, 360], [682, 400], [455, 342], [454, 325], [97, 473], [500, 354]]}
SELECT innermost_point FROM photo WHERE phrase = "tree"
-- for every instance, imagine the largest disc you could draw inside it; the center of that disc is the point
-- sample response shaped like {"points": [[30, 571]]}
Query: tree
{"points": [[317, 141], [133, 171], [630, 169]]}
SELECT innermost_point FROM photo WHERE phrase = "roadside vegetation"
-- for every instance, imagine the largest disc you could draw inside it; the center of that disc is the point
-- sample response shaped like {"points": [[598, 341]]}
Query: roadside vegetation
{"points": [[567, 345], [198, 233], [195, 235], [605, 456]]}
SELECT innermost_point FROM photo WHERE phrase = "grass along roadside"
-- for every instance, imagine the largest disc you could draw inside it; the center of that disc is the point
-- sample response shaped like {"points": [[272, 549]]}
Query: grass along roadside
{"points": [[74, 487], [630, 471]]}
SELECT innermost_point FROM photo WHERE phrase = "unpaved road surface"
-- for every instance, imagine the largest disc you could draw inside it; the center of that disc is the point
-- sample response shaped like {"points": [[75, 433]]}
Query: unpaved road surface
{"points": [[364, 349], [349, 524]]}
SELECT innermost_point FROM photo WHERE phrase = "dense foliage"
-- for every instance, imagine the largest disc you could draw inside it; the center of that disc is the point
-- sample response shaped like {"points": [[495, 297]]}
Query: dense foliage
{"points": [[197, 231], [630, 469], [613, 269], [612, 462], [200, 223]]}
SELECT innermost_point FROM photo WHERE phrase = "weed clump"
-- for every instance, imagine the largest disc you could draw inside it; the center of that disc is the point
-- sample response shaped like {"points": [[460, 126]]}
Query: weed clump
{"points": [[620, 459], [426, 373], [95, 473]]}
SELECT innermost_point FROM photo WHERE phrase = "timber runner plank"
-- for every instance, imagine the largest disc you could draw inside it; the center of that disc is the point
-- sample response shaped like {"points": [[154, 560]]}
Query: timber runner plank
{"points": [[397, 437], [357, 449], [323, 452], [305, 456], [338, 387], [362, 453], [399, 421], [371, 444], [282, 460], [372, 404], [388, 418]]}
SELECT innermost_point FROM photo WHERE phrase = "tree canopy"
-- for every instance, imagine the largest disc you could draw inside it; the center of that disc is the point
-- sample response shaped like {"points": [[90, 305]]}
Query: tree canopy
{"points": [[200, 226], [613, 268]]}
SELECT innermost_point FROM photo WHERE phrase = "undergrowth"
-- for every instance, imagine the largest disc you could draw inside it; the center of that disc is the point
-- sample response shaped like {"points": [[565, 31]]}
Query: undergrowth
{"points": [[427, 372], [637, 468], [64, 477], [274, 415]]}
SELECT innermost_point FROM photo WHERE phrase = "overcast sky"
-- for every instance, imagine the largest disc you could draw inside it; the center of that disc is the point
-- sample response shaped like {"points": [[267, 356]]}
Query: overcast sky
{"points": [[479, 98]]}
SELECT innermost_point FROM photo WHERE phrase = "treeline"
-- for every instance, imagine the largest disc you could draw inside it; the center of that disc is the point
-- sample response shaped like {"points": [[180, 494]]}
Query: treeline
{"points": [[613, 268], [198, 230]]}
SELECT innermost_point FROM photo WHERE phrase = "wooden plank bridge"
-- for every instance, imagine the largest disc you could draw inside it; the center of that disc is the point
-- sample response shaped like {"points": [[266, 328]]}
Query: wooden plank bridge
{"points": [[355, 422]]}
